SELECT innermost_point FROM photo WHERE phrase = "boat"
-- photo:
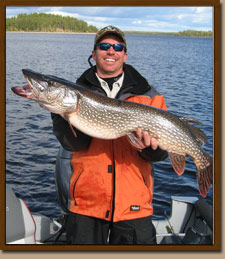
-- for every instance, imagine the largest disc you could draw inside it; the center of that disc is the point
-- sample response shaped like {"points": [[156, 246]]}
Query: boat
{"points": [[190, 222]]}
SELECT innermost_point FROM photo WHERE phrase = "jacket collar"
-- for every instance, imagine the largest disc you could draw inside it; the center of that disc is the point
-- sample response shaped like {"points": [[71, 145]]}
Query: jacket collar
{"points": [[134, 82]]}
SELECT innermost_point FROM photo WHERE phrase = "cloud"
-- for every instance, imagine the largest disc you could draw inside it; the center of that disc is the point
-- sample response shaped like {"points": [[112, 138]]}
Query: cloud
{"points": [[137, 22], [56, 12], [131, 18], [202, 9]]}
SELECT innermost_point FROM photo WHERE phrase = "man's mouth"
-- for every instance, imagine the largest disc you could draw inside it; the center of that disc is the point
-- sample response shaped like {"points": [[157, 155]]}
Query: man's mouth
{"points": [[110, 60]]}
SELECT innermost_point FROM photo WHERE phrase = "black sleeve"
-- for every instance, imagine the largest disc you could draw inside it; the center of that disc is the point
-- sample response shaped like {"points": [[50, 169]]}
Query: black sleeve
{"points": [[153, 155], [66, 137]]}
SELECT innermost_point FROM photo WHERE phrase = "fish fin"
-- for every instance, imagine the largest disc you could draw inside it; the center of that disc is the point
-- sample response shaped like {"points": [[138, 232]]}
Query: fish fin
{"points": [[189, 120], [198, 133], [205, 176], [74, 132], [66, 117], [178, 162], [135, 141]]}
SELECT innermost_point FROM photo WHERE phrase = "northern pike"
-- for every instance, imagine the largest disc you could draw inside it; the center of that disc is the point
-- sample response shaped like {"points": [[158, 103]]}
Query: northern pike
{"points": [[106, 118]]}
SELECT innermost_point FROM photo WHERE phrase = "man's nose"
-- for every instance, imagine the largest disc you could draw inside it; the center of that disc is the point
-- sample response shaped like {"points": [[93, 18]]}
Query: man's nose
{"points": [[111, 50]]}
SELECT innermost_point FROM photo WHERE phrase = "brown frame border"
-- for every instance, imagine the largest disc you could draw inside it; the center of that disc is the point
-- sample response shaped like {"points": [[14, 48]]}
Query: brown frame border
{"points": [[217, 123]]}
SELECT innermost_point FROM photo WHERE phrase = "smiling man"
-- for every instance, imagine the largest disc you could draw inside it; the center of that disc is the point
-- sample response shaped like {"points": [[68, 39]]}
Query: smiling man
{"points": [[110, 186], [110, 55]]}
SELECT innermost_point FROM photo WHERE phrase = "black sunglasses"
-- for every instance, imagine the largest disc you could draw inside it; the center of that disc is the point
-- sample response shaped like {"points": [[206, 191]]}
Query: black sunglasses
{"points": [[106, 46]]}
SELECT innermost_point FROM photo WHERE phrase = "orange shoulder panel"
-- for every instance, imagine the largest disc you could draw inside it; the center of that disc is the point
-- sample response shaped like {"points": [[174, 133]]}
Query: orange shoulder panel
{"points": [[157, 101]]}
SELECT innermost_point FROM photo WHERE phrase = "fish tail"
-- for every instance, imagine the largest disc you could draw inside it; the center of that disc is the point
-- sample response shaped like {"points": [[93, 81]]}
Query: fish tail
{"points": [[205, 174]]}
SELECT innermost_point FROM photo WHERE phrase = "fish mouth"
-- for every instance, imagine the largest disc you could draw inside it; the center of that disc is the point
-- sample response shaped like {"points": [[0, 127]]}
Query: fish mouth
{"points": [[28, 74], [24, 91]]}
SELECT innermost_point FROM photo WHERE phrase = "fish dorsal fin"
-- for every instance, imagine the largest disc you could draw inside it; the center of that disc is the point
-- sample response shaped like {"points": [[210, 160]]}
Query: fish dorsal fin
{"points": [[178, 162], [135, 142], [198, 134], [190, 120]]}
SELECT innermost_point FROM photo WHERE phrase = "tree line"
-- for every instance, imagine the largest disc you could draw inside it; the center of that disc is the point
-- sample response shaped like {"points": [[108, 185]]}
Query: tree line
{"points": [[187, 33], [42, 22], [192, 33]]}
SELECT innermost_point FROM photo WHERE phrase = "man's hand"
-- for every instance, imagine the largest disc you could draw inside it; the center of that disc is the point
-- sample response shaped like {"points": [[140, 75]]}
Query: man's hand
{"points": [[146, 139]]}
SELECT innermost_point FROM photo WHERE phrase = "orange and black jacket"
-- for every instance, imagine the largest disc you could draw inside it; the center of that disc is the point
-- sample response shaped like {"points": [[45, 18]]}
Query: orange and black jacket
{"points": [[107, 179]]}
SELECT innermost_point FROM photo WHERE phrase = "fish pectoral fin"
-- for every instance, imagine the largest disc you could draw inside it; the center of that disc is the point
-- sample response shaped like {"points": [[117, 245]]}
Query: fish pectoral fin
{"points": [[178, 162], [74, 132], [66, 117], [135, 141]]}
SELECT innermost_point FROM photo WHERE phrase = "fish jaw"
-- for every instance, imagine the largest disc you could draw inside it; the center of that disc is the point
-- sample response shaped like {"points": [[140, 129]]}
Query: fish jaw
{"points": [[50, 92], [23, 91], [35, 82]]}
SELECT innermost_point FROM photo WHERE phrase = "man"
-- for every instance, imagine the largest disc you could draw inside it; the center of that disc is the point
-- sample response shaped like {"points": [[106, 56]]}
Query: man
{"points": [[111, 185]]}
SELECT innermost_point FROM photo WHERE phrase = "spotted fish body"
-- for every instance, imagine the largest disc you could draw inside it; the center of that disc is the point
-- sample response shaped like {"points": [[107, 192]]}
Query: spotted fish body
{"points": [[106, 118]]}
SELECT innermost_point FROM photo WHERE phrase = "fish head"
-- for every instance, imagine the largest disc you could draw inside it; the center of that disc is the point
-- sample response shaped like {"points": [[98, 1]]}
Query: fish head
{"points": [[37, 83], [52, 93], [43, 88]]}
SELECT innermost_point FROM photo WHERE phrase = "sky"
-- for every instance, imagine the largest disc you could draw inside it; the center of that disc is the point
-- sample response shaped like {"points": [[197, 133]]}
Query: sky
{"points": [[137, 18]]}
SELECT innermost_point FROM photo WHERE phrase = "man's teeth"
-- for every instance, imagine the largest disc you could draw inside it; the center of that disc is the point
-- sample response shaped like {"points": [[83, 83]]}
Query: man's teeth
{"points": [[110, 60]]}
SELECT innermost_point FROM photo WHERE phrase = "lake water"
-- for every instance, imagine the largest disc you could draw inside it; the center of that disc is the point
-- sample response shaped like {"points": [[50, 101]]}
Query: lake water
{"points": [[180, 68]]}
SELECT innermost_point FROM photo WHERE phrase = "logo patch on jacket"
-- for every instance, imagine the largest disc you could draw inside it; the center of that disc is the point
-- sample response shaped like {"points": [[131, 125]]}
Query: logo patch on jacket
{"points": [[134, 207]]}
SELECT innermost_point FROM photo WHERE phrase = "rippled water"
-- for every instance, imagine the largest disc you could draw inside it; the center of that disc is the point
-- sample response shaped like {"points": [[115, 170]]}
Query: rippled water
{"points": [[180, 68]]}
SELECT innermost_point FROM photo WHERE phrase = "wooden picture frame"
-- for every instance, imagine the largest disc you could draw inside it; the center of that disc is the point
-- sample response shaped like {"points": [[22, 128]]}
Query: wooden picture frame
{"points": [[215, 4]]}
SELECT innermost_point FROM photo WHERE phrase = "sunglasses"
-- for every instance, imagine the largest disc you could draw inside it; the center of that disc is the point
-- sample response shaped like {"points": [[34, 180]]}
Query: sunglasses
{"points": [[106, 46]]}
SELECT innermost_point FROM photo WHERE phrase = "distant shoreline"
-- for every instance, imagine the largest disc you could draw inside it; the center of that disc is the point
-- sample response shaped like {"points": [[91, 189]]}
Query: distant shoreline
{"points": [[175, 34], [51, 23], [57, 32]]}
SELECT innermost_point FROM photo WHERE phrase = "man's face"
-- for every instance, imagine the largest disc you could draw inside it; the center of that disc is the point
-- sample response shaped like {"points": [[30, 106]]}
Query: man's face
{"points": [[109, 62]]}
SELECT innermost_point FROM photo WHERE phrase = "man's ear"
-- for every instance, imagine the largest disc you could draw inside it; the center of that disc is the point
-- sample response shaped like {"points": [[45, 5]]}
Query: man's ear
{"points": [[125, 57], [94, 54]]}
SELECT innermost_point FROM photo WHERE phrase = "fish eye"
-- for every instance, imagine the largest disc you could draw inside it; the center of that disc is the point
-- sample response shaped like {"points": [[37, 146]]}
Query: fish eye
{"points": [[41, 88], [50, 82]]}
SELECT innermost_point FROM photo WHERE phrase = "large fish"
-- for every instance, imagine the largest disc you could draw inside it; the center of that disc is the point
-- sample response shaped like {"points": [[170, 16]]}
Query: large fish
{"points": [[106, 118]]}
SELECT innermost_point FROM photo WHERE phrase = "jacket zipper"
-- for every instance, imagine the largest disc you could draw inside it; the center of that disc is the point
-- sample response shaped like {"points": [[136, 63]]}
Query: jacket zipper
{"points": [[114, 185], [74, 186]]}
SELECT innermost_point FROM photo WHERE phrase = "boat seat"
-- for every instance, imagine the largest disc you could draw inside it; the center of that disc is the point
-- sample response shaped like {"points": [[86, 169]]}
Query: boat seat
{"points": [[19, 222], [171, 240], [194, 237]]}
